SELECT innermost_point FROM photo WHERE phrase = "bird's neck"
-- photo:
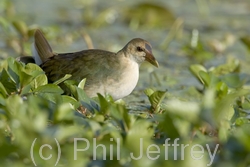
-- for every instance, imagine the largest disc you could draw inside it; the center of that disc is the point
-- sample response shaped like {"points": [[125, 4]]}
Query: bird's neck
{"points": [[125, 53]]}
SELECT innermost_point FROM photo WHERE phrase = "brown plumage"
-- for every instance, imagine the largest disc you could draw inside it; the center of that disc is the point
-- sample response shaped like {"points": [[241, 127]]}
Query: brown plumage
{"points": [[106, 72]]}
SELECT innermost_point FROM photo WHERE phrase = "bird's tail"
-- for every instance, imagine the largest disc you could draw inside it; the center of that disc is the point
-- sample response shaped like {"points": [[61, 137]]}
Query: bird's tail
{"points": [[41, 49]]}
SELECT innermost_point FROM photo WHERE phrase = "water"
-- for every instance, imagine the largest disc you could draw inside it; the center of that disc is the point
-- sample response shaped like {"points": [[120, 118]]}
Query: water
{"points": [[104, 22]]}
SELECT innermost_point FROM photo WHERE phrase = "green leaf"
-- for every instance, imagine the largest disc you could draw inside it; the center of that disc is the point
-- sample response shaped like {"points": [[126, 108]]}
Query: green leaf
{"points": [[224, 109], [232, 65], [67, 76], [26, 89], [82, 83], [24, 74], [196, 71], [241, 121], [81, 95], [204, 78], [14, 72], [209, 79], [64, 112], [86, 101], [149, 91], [233, 80], [40, 80], [222, 89], [104, 104], [3, 91], [25, 79], [13, 105], [183, 109], [8, 82], [71, 100], [167, 126], [71, 85], [156, 99], [49, 88], [39, 77]]}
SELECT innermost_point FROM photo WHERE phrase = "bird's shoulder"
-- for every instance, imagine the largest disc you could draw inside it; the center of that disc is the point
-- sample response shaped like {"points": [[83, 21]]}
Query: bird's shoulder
{"points": [[90, 54], [80, 64]]}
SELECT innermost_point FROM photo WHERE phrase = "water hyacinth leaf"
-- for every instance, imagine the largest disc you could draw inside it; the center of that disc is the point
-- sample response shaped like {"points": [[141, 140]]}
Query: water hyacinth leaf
{"points": [[65, 112], [205, 78], [17, 71], [207, 106], [155, 99], [222, 89], [25, 90], [49, 88], [81, 95], [25, 78], [14, 75], [14, 69], [98, 117], [8, 82], [103, 104], [13, 105], [183, 109], [39, 77], [86, 101], [21, 73], [243, 136], [167, 126], [30, 67], [179, 117], [109, 98], [224, 109], [241, 121], [209, 79], [67, 76], [71, 100], [139, 137], [71, 85], [232, 65], [149, 91], [120, 114], [82, 83], [29, 73], [3, 91], [233, 80], [40, 80], [196, 69], [65, 132], [128, 119], [117, 111], [140, 129]]}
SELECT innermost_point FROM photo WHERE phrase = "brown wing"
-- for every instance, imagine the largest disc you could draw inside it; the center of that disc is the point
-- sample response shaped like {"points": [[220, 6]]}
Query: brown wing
{"points": [[91, 64]]}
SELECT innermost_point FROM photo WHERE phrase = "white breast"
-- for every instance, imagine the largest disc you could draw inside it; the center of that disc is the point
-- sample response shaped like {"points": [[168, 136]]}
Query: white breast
{"points": [[127, 82], [119, 84]]}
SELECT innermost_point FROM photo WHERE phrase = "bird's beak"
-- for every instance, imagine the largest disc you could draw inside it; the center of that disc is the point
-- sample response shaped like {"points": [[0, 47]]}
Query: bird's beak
{"points": [[151, 59]]}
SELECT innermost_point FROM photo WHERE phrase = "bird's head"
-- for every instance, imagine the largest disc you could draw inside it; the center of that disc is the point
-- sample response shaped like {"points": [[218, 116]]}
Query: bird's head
{"points": [[140, 50]]}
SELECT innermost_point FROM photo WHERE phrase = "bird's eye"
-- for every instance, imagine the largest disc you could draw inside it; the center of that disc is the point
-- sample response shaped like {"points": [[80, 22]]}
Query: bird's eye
{"points": [[139, 49]]}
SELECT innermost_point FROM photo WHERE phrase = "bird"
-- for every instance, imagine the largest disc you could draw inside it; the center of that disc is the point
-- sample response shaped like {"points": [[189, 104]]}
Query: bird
{"points": [[106, 72]]}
